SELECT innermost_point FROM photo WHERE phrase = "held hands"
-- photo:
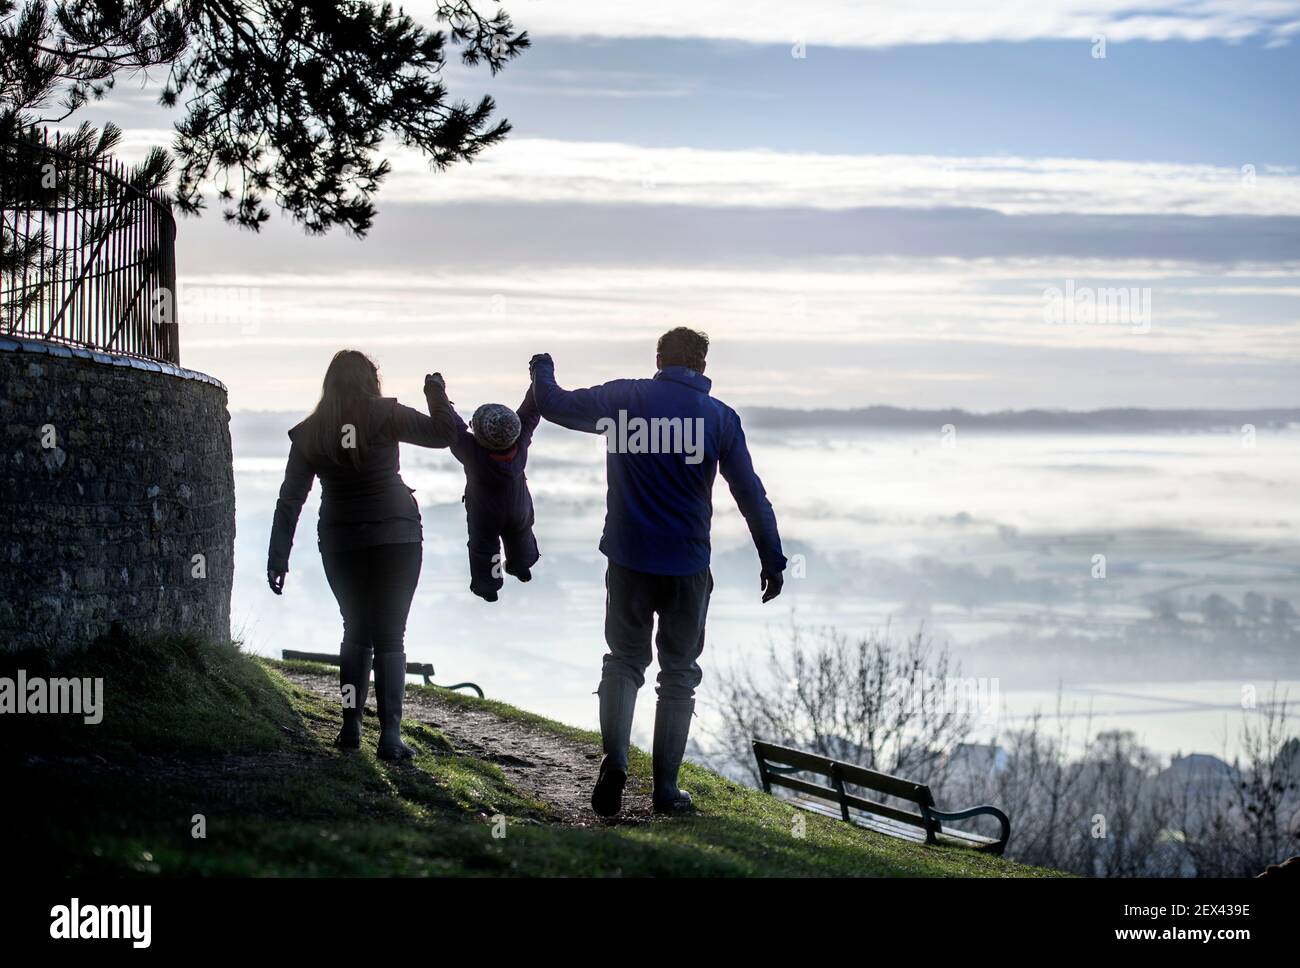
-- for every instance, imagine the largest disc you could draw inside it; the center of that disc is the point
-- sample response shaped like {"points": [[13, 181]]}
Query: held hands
{"points": [[276, 580], [538, 358], [771, 585]]}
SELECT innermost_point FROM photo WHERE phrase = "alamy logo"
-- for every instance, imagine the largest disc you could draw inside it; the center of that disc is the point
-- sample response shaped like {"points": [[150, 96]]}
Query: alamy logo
{"points": [[657, 435], [73, 922], [981, 698], [76, 697], [1107, 306]]}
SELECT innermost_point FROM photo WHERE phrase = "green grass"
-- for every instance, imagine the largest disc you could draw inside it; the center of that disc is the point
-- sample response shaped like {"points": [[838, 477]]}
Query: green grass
{"points": [[193, 729]]}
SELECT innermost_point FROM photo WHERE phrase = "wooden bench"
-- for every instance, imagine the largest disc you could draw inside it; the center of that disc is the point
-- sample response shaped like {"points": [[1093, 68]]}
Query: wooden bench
{"points": [[424, 669], [778, 764]]}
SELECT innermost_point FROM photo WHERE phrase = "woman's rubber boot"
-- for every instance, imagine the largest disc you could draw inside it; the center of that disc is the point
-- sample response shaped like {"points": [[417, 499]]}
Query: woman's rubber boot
{"points": [[617, 704], [354, 689], [390, 690], [672, 728]]}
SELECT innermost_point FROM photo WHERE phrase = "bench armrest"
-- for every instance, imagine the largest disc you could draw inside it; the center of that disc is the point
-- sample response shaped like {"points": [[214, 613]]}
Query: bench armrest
{"points": [[982, 811]]}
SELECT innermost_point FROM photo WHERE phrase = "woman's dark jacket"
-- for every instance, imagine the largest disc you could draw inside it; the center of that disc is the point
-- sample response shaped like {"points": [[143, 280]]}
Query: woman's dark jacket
{"points": [[358, 508]]}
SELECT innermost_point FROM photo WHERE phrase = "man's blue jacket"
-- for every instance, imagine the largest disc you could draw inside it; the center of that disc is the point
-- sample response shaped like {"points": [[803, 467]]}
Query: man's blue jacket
{"points": [[661, 471]]}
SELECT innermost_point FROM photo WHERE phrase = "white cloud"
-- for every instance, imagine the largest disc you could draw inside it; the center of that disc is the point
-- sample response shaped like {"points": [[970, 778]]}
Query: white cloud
{"points": [[523, 170], [842, 23], [849, 333], [854, 301]]}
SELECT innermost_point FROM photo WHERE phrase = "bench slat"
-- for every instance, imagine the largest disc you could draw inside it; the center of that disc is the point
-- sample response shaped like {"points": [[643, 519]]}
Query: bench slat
{"points": [[854, 802], [859, 818], [333, 658], [328, 658], [856, 775], [968, 835], [888, 825]]}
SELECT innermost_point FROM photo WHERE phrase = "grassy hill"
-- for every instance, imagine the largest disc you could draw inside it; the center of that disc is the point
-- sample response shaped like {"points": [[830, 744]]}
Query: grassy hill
{"points": [[195, 734]]}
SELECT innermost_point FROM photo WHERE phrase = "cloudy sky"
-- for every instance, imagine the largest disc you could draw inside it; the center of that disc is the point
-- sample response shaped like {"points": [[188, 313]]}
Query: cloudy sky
{"points": [[860, 203]]}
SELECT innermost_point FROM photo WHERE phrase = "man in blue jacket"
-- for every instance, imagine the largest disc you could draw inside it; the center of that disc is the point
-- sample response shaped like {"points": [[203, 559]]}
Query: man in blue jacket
{"points": [[666, 439]]}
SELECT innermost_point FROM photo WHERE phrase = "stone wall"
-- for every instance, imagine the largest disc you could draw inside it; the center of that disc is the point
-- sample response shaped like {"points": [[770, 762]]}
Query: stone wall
{"points": [[117, 497]]}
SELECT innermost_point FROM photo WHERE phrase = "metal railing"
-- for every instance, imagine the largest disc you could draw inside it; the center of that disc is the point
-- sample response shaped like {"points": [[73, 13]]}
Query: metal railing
{"points": [[86, 257]]}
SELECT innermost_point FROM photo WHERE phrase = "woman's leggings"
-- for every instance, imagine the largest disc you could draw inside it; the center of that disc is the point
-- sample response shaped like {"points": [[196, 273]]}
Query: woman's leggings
{"points": [[374, 587]]}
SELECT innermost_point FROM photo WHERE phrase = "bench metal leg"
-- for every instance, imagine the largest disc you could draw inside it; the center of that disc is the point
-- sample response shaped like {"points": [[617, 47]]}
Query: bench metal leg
{"points": [[837, 781]]}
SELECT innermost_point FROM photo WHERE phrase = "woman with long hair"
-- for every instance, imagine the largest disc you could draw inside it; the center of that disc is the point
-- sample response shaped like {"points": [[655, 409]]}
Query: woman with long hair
{"points": [[370, 535]]}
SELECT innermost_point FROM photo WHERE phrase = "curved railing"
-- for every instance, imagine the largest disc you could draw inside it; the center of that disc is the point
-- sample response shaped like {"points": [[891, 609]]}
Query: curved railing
{"points": [[86, 257]]}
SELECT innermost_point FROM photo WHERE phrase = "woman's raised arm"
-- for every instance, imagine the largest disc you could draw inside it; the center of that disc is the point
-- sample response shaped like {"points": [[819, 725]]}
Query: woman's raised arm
{"points": [[434, 429]]}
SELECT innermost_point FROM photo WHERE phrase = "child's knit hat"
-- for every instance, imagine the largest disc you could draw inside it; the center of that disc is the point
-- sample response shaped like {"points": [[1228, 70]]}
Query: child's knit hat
{"points": [[495, 426]]}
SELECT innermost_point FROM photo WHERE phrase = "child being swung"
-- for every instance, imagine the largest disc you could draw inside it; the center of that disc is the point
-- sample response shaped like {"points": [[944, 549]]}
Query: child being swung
{"points": [[493, 449]]}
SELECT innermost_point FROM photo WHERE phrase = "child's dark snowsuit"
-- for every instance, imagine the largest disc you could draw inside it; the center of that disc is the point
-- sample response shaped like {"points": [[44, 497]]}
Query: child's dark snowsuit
{"points": [[498, 507]]}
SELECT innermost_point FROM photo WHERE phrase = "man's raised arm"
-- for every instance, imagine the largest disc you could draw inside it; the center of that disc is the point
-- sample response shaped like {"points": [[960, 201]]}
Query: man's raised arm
{"points": [[575, 409]]}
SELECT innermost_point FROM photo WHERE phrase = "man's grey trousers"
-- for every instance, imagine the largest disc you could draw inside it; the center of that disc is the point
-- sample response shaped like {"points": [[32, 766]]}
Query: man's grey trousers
{"points": [[632, 600]]}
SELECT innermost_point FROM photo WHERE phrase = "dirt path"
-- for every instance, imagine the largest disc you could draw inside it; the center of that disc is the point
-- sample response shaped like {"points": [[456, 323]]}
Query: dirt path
{"points": [[554, 770]]}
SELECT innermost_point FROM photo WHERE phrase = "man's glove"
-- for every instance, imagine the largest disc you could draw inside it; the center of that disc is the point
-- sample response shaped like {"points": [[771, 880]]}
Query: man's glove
{"points": [[771, 585], [435, 378], [538, 358]]}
